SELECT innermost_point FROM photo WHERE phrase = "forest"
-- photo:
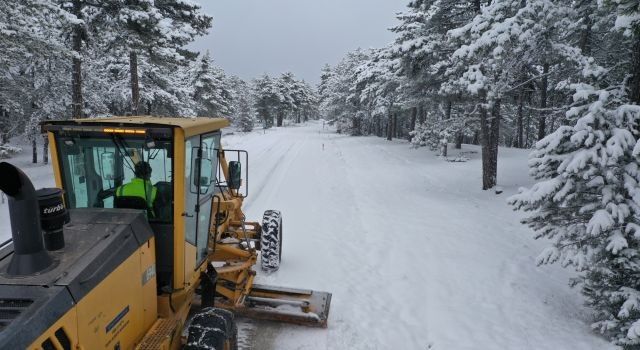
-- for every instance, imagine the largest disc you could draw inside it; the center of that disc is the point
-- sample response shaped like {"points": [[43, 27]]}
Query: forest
{"points": [[79, 59], [559, 77]]}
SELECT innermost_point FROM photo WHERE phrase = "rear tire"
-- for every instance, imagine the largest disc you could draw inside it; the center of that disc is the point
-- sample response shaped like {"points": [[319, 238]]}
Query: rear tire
{"points": [[213, 328], [271, 241]]}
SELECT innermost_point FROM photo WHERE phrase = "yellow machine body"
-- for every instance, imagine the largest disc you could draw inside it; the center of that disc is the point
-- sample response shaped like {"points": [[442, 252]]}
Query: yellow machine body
{"points": [[131, 307], [132, 303]]}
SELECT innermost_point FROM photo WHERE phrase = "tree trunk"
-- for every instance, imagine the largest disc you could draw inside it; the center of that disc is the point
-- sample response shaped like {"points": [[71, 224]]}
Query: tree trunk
{"points": [[634, 82], [34, 149], [528, 136], [45, 150], [520, 127], [459, 139], [390, 127], [355, 127], [421, 114], [76, 83], [447, 116], [486, 157], [395, 125], [279, 118], [542, 123], [412, 125], [585, 35], [490, 129], [3, 125], [135, 86]]}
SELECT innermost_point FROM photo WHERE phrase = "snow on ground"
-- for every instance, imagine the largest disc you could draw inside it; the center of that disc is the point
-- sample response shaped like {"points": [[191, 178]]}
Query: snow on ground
{"points": [[415, 254]]}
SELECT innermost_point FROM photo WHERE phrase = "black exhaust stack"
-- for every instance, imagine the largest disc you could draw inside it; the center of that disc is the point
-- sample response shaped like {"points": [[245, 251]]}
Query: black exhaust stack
{"points": [[53, 216], [29, 256]]}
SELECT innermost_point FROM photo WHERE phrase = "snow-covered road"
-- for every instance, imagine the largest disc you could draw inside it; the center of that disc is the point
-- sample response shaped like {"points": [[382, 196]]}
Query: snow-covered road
{"points": [[415, 254]]}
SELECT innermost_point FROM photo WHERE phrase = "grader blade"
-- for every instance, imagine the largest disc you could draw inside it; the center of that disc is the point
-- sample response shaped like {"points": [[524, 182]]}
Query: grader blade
{"points": [[298, 306]]}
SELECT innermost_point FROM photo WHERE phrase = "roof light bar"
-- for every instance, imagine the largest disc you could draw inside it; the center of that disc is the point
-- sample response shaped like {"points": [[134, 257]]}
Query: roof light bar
{"points": [[124, 131]]}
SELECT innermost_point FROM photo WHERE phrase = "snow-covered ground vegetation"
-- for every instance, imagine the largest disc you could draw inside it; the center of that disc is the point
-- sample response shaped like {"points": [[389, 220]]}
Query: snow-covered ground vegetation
{"points": [[6, 151]]}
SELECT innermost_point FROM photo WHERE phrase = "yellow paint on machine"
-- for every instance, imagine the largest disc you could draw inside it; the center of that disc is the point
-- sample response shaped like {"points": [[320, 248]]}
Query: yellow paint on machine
{"points": [[178, 203], [126, 310], [54, 159], [113, 314]]}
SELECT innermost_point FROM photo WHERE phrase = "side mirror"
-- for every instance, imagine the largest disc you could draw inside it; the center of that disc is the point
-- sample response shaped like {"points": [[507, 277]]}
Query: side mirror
{"points": [[108, 165], [235, 175]]}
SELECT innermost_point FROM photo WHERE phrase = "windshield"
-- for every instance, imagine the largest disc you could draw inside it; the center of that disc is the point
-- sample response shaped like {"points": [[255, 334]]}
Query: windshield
{"points": [[108, 171]]}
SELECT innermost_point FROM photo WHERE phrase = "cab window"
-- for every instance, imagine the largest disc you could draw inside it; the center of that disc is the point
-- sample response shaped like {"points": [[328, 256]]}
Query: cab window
{"points": [[93, 168]]}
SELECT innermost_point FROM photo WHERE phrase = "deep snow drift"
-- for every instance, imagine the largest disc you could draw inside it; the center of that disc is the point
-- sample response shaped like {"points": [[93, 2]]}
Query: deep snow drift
{"points": [[415, 254]]}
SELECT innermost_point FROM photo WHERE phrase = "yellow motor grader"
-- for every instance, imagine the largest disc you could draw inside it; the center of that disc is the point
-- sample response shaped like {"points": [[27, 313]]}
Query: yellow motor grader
{"points": [[142, 245]]}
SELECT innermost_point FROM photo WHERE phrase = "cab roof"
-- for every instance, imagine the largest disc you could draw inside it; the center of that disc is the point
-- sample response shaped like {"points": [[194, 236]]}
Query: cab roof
{"points": [[191, 126]]}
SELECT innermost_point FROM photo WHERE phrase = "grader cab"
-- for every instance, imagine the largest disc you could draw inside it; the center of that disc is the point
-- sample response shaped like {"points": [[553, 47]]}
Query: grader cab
{"points": [[136, 265]]}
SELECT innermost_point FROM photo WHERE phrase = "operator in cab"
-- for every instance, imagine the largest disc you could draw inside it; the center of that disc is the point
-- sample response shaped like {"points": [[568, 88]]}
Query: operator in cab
{"points": [[140, 187]]}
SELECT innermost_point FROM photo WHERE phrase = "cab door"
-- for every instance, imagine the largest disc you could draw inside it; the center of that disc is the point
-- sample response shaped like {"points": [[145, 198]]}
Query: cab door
{"points": [[201, 160]]}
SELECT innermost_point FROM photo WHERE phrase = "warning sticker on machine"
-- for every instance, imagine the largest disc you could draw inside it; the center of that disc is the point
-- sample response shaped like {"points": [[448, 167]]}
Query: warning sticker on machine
{"points": [[117, 319], [148, 274]]}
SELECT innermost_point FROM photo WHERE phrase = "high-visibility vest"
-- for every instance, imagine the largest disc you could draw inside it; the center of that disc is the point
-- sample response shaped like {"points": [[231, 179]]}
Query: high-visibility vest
{"points": [[135, 188]]}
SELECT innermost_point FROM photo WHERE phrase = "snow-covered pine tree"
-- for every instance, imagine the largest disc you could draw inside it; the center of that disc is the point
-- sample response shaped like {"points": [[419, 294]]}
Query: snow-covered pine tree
{"points": [[587, 199], [343, 95], [244, 114], [423, 48], [168, 89], [310, 103], [265, 99], [32, 85], [159, 30], [240, 90], [212, 93], [504, 39], [378, 85], [31, 34], [167, 86], [286, 86]]}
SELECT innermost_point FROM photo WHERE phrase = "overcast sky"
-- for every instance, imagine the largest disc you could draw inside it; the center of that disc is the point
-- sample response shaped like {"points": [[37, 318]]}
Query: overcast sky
{"points": [[251, 37]]}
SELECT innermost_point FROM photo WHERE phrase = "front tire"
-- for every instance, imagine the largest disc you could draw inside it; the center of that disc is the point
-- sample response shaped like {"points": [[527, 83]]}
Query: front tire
{"points": [[271, 241], [213, 328]]}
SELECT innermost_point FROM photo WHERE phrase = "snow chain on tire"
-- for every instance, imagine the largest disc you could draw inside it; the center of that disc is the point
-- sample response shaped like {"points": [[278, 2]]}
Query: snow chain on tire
{"points": [[212, 328], [271, 241]]}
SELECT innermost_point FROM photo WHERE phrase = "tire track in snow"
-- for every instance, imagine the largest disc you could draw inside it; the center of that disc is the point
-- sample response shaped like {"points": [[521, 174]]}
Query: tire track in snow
{"points": [[274, 176], [387, 248], [412, 251], [251, 333]]}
